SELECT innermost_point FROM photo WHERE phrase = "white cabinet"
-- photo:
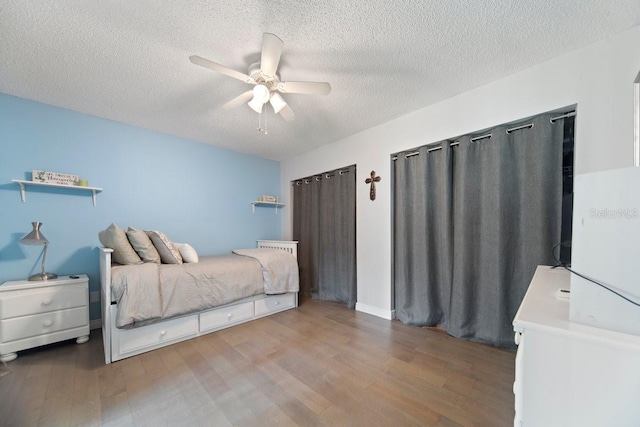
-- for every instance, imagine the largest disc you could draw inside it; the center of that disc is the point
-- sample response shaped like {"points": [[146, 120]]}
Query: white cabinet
{"points": [[569, 374], [39, 313]]}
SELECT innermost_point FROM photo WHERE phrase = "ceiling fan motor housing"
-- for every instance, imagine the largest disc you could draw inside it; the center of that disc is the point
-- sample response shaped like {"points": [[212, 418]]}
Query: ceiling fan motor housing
{"points": [[271, 82]]}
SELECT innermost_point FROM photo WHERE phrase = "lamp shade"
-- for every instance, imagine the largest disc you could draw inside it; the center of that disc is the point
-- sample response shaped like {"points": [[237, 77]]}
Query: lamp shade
{"points": [[260, 97], [35, 237], [277, 102], [256, 105]]}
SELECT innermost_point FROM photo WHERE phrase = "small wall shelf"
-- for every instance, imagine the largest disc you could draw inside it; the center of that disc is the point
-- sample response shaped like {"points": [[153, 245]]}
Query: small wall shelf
{"points": [[23, 184], [277, 205]]}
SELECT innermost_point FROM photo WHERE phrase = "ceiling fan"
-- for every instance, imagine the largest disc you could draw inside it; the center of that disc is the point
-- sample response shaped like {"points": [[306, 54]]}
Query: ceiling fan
{"points": [[266, 80]]}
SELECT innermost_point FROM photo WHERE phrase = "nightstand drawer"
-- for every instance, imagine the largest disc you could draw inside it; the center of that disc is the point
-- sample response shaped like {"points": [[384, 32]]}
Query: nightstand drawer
{"points": [[43, 301], [30, 326]]}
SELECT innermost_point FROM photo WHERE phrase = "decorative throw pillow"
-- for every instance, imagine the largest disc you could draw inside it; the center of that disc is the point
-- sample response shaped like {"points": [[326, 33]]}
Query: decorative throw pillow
{"points": [[115, 238], [168, 253], [187, 252], [143, 246]]}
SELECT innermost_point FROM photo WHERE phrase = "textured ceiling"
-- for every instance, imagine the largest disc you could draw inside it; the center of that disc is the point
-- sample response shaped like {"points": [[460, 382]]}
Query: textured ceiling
{"points": [[128, 61]]}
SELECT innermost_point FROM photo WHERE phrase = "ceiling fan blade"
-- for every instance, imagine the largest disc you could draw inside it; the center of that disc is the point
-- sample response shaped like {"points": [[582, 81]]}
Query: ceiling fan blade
{"points": [[287, 113], [271, 51], [310, 88], [239, 100], [221, 69]]}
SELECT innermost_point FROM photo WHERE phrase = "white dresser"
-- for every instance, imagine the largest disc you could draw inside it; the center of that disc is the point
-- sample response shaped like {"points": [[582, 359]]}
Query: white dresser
{"points": [[38, 313], [569, 374]]}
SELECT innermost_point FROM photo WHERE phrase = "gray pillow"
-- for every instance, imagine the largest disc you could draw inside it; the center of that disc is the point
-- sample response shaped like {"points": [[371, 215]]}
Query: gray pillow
{"points": [[169, 254], [115, 238], [143, 246]]}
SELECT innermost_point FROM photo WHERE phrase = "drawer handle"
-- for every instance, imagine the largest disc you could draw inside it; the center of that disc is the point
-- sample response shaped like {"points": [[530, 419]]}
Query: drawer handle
{"points": [[47, 323], [277, 302], [229, 316], [163, 333], [47, 301]]}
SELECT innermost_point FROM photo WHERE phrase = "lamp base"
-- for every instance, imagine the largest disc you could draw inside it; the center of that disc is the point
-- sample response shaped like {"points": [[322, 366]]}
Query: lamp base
{"points": [[42, 277]]}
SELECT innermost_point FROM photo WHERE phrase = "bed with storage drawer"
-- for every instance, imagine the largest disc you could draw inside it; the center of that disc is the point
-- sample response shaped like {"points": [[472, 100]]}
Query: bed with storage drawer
{"points": [[149, 306]]}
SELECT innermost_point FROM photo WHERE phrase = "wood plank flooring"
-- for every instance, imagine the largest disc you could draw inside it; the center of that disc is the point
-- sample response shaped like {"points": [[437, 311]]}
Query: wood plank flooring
{"points": [[319, 364]]}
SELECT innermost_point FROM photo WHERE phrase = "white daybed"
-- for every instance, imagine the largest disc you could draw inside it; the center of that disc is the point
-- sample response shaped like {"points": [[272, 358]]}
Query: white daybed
{"points": [[122, 343]]}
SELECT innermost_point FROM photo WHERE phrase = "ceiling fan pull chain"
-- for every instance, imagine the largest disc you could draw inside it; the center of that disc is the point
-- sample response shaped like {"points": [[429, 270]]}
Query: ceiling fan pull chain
{"points": [[265, 122]]}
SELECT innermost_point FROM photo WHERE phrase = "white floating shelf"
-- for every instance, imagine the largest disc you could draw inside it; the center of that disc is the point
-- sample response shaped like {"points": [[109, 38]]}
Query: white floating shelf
{"points": [[24, 183], [277, 205]]}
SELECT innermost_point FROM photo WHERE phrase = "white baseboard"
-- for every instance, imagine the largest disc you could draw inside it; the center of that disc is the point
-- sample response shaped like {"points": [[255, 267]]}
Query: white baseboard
{"points": [[385, 314], [95, 324]]}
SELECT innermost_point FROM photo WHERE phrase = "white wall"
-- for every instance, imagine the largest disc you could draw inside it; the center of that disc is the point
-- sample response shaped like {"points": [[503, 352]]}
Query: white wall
{"points": [[599, 79]]}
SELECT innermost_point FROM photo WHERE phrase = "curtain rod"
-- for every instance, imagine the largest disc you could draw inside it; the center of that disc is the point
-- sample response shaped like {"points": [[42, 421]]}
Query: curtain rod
{"points": [[453, 144], [569, 114], [477, 138], [318, 177], [529, 126]]}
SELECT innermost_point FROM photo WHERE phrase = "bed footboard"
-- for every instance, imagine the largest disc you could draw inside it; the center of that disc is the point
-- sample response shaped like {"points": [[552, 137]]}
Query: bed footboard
{"points": [[105, 300], [290, 246]]}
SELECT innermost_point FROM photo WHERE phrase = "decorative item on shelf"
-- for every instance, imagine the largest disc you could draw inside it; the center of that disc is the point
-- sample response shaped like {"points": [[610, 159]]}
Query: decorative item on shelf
{"points": [[54, 177], [268, 199], [35, 237], [83, 183]]}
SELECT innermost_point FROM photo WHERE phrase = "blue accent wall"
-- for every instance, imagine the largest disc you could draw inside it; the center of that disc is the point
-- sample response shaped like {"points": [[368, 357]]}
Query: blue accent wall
{"points": [[195, 193]]}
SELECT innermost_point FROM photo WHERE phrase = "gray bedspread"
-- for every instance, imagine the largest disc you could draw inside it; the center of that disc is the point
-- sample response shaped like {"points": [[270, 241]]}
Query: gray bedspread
{"points": [[150, 292]]}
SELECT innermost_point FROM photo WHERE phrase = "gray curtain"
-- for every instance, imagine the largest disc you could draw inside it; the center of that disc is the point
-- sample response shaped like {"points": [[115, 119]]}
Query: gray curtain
{"points": [[504, 195], [423, 235], [324, 223], [306, 231]]}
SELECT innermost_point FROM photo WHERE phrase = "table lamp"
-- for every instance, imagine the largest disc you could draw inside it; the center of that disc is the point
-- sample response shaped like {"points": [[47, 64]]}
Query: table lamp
{"points": [[35, 237]]}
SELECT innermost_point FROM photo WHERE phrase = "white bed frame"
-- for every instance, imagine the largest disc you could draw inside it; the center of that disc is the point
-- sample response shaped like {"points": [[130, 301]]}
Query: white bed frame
{"points": [[122, 343]]}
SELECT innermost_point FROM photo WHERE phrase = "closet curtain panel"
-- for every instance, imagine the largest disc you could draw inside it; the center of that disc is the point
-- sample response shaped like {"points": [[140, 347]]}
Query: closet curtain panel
{"points": [[306, 231], [507, 218], [324, 223], [423, 236], [472, 222]]}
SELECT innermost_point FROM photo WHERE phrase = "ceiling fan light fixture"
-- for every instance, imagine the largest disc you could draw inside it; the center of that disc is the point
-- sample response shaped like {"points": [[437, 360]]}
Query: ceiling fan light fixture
{"points": [[256, 105], [260, 97], [261, 93], [277, 102], [265, 79]]}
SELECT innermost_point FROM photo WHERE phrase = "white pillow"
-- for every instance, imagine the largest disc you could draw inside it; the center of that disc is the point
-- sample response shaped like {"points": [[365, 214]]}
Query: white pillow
{"points": [[187, 252]]}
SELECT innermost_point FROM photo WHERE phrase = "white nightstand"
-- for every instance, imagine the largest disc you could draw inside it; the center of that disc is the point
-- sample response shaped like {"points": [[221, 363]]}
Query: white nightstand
{"points": [[38, 313]]}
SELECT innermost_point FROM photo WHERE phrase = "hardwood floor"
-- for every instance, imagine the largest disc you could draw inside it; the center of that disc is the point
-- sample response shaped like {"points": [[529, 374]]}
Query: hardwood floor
{"points": [[319, 364]]}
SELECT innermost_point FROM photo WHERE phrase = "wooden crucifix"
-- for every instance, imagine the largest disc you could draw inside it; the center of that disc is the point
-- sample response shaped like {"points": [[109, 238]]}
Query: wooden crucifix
{"points": [[372, 181]]}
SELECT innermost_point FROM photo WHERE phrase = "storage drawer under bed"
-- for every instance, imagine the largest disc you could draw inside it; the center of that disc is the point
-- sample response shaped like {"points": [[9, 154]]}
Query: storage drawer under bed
{"points": [[274, 303], [128, 342], [222, 317]]}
